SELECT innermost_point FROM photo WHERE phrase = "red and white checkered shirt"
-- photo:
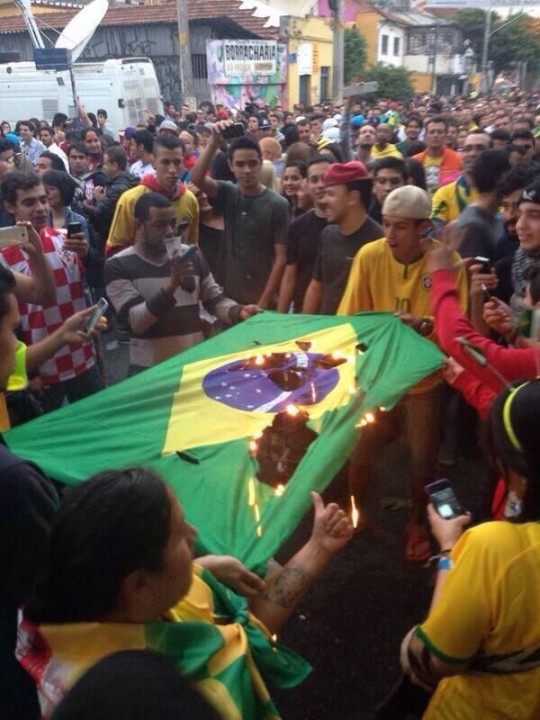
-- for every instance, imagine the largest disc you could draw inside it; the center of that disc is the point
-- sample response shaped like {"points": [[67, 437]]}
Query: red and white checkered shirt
{"points": [[38, 321]]}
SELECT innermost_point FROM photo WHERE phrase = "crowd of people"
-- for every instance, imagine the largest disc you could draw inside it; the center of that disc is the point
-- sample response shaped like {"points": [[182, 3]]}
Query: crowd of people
{"points": [[197, 220]]}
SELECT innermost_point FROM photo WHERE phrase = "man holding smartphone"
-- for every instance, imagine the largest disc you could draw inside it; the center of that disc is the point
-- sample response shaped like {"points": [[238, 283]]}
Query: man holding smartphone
{"points": [[157, 286], [256, 221], [71, 373]]}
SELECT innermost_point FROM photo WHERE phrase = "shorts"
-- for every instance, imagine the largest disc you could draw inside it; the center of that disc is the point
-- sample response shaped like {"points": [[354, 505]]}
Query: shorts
{"points": [[417, 418]]}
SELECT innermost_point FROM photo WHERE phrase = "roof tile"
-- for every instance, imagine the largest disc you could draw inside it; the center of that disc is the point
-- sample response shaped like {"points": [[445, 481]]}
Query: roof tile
{"points": [[162, 13]]}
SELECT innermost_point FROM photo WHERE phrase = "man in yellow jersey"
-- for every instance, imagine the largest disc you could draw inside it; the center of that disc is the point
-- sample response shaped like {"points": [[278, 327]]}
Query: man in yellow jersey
{"points": [[451, 199], [391, 274], [168, 164]]}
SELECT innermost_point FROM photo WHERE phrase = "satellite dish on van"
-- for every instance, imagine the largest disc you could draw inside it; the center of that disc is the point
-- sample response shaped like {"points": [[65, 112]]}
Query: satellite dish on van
{"points": [[77, 33]]}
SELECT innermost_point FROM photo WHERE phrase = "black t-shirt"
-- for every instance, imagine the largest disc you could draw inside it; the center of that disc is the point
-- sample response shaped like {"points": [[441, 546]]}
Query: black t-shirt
{"points": [[211, 241], [334, 259], [302, 247], [254, 224]]}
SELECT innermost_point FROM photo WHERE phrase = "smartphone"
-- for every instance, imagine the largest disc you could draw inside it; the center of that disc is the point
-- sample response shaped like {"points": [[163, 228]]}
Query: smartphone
{"points": [[73, 228], [99, 311], [473, 350], [485, 263], [444, 499], [485, 292], [235, 130], [14, 235]]}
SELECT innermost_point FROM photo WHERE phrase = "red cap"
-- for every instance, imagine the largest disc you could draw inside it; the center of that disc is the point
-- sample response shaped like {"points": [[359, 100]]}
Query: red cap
{"points": [[343, 173], [222, 114]]}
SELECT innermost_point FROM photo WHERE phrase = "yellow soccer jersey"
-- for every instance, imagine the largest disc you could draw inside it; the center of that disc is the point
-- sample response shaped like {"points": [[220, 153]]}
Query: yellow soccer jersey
{"points": [[450, 200], [122, 231], [488, 617], [379, 282], [387, 151]]}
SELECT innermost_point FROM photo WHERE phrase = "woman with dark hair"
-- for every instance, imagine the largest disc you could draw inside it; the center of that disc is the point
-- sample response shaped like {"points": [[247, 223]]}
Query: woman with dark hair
{"points": [[478, 650], [293, 184], [120, 577], [61, 188], [416, 174]]}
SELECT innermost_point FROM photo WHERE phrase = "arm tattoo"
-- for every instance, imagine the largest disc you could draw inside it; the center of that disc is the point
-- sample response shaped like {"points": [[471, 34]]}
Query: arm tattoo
{"points": [[287, 587]]}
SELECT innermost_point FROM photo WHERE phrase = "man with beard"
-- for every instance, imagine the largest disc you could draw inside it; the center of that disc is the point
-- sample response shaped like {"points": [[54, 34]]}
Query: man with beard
{"points": [[365, 141]]}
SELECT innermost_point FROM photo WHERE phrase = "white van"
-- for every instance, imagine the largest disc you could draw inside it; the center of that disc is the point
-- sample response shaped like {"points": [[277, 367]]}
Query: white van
{"points": [[124, 88]]}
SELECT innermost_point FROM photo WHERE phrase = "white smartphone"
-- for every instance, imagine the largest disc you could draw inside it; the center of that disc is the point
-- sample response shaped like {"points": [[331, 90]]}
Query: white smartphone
{"points": [[14, 235], [99, 311]]}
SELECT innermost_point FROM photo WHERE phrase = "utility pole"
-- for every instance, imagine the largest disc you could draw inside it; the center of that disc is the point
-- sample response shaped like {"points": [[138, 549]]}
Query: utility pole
{"points": [[186, 68], [484, 85], [337, 74]]}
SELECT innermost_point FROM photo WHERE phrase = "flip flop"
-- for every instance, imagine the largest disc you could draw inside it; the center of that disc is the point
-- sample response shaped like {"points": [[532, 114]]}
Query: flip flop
{"points": [[418, 547]]}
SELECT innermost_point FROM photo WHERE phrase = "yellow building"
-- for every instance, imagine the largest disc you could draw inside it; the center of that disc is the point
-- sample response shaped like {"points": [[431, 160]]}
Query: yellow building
{"points": [[310, 51]]}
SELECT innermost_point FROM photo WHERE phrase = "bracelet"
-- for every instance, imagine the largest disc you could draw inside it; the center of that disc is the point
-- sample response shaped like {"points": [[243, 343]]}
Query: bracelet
{"points": [[445, 563], [442, 556]]}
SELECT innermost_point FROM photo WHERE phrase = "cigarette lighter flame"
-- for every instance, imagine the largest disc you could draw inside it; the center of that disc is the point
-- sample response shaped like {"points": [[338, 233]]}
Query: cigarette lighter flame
{"points": [[355, 515]]}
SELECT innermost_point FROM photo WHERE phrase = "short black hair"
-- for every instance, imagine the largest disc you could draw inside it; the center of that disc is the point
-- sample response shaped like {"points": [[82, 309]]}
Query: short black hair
{"points": [[102, 112], [416, 175], [500, 134], [522, 135], [488, 168], [7, 287], [6, 145], [134, 685], [415, 148], [363, 187], [145, 138], [63, 181], [168, 142], [514, 179], [414, 117], [390, 163], [18, 180], [436, 119], [299, 164], [149, 200], [116, 155], [319, 159], [57, 162], [86, 130], [80, 147], [244, 143], [59, 119], [290, 133]]}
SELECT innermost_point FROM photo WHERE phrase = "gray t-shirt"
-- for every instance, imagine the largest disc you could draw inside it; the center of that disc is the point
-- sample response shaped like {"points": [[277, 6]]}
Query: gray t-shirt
{"points": [[334, 260], [253, 225]]}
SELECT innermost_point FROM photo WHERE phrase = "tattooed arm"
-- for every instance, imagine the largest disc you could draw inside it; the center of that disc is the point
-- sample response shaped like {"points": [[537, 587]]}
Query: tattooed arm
{"points": [[286, 587]]}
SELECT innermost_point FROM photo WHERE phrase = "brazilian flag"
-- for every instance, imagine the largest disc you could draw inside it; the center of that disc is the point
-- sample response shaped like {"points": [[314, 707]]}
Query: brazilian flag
{"points": [[244, 425]]}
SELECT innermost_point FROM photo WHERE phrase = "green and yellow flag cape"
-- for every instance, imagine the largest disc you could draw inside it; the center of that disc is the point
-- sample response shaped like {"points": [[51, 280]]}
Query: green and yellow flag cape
{"points": [[244, 425]]}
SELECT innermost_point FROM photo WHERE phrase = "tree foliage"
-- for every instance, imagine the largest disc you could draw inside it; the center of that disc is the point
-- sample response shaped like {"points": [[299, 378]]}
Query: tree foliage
{"points": [[354, 55], [394, 82], [510, 42]]}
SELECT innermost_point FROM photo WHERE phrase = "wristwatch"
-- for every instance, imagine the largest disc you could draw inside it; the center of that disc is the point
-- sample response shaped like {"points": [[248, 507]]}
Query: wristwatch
{"points": [[426, 327]]}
